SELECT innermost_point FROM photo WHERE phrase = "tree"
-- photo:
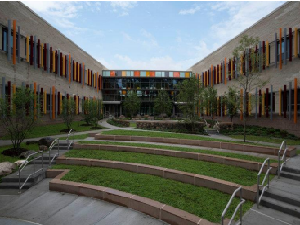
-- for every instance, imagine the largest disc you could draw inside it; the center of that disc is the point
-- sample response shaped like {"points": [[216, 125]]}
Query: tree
{"points": [[20, 117], [252, 77], [68, 111], [90, 115], [188, 99], [162, 103], [209, 100], [232, 102], [131, 103]]}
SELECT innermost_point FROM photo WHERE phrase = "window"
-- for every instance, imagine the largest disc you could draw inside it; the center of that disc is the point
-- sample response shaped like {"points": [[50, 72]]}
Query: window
{"points": [[4, 40], [143, 73], [282, 49], [170, 74], [106, 73]]}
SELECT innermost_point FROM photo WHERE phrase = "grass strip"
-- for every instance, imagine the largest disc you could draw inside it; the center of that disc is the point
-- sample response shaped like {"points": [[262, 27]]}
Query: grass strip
{"points": [[168, 147], [54, 129], [221, 171], [265, 139], [200, 201], [171, 135]]}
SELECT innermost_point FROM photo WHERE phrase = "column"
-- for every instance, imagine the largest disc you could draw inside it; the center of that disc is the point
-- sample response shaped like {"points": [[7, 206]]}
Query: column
{"points": [[48, 58], [255, 103], [285, 46], [8, 40], [295, 100], [19, 45], [284, 101], [290, 100], [14, 42], [271, 102], [58, 63]]}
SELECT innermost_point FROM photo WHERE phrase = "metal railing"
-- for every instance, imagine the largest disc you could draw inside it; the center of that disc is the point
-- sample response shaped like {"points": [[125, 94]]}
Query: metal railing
{"points": [[56, 141], [29, 160], [239, 207], [25, 163], [281, 160], [267, 177], [68, 138]]}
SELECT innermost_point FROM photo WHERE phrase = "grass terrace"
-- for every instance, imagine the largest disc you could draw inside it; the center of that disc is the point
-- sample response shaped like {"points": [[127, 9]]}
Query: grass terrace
{"points": [[54, 129], [170, 147], [220, 171], [266, 139], [4, 158], [171, 135], [200, 201]]}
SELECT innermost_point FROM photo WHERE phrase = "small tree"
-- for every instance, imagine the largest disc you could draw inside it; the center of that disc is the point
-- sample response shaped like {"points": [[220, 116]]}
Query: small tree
{"points": [[20, 117], [162, 103], [252, 77], [188, 99], [90, 115], [232, 102], [131, 103], [68, 111], [209, 99]]}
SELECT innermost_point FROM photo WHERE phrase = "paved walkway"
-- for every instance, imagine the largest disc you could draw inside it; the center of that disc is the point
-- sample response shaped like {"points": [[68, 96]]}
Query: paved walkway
{"points": [[41, 206]]}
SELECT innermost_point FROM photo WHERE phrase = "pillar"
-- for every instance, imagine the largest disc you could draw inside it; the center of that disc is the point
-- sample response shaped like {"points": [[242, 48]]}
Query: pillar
{"points": [[271, 102], [267, 54], [295, 100], [263, 103], [58, 63], [48, 58], [8, 40], [34, 53], [290, 100], [284, 101], [280, 49], [267, 102], [285, 46], [296, 42], [19, 45], [280, 102], [14, 42], [255, 103], [276, 50]]}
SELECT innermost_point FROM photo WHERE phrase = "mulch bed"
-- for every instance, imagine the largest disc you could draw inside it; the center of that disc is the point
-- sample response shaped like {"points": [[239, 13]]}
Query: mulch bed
{"points": [[13, 152]]}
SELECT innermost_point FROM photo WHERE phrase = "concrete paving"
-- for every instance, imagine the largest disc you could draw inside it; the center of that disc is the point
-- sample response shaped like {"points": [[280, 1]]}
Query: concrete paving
{"points": [[41, 206]]}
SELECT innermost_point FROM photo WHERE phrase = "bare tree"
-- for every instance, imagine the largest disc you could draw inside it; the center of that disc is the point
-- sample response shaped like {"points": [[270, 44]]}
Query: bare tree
{"points": [[250, 60]]}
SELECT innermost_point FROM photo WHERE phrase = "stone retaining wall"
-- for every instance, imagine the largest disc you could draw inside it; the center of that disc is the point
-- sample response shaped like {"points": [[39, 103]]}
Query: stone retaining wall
{"points": [[249, 165], [249, 192], [210, 144], [148, 206]]}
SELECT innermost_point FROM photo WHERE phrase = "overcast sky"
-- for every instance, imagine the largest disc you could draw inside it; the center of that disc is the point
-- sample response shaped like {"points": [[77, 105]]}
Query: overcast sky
{"points": [[151, 35]]}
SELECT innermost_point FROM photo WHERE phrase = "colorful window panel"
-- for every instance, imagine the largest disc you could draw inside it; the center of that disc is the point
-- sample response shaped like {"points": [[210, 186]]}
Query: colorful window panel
{"points": [[143, 73], [176, 74]]}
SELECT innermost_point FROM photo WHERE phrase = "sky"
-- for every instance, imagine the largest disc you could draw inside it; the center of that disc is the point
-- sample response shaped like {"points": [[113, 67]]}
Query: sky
{"points": [[151, 35]]}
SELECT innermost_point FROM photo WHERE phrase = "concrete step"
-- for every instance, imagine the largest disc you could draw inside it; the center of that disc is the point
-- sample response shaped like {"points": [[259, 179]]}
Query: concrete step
{"points": [[289, 175], [15, 178], [15, 185], [291, 170], [283, 196], [45, 162], [211, 131], [281, 206]]}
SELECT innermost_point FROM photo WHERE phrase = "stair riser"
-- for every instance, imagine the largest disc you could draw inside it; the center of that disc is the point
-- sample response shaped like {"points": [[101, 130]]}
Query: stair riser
{"points": [[22, 179], [290, 170], [290, 176], [283, 199], [15, 187], [281, 209]]}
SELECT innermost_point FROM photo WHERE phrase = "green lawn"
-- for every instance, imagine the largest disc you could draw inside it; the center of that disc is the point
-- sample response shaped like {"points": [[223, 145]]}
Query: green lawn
{"points": [[54, 129], [170, 135], [221, 171], [226, 154], [76, 137], [265, 139], [4, 158], [200, 201]]}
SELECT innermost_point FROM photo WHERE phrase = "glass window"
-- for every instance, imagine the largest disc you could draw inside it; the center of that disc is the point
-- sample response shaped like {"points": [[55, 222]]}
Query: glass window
{"points": [[282, 49], [157, 74], [182, 74], [143, 73], [170, 74], [106, 73], [162, 74]]}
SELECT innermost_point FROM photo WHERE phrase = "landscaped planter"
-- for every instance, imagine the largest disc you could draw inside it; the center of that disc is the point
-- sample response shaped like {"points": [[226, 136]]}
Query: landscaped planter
{"points": [[249, 192], [148, 206], [250, 165], [210, 144]]}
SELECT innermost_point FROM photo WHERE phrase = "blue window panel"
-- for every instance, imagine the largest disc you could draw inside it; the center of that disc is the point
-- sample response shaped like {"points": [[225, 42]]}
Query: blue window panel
{"points": [[157, 74], [170, 74], [131, 73], [106, 73], [127, 73], [162, 74], [182, 74], [143, 73]]}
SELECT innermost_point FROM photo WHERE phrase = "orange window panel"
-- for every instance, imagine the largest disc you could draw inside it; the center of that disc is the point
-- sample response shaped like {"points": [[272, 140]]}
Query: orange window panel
{"points": [[123, 73], [187, 75], [152, 74], [137, 73], [112, 73], [176, 74], [147, 74]]}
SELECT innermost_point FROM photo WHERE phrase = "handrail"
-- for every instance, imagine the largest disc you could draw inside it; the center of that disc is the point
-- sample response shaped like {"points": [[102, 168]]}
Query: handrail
{"points": [[68, 138], [56, 141], [258, 198], [239, 206], [24, 164], [283, 158]]}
